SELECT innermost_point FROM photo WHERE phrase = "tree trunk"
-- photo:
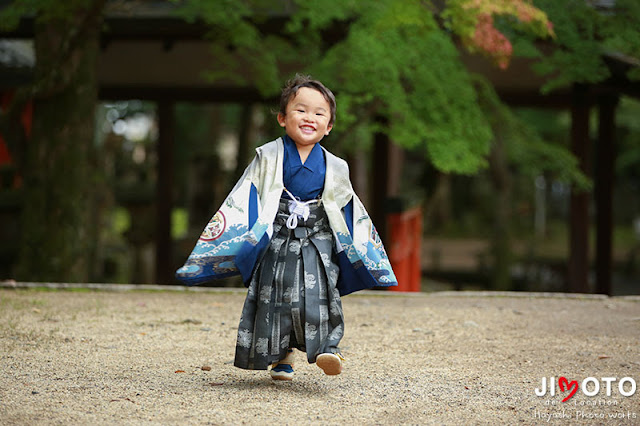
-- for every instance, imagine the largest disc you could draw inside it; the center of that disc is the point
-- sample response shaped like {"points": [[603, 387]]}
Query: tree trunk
{"points": [[438, 210], [501, 253], [246, 136], [58, 173], [578, 264]]}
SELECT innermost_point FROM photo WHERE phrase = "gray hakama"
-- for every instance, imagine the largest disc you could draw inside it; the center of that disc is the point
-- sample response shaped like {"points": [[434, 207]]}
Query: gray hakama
{"points": [[292, 300]]}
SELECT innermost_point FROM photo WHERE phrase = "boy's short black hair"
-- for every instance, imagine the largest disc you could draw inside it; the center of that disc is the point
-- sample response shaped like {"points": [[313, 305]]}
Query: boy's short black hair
{"points": [[291, 88]]}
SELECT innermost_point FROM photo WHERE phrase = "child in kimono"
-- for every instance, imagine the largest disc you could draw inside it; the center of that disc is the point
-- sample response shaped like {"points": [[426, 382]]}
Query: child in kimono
{"points": [[299, 236]]}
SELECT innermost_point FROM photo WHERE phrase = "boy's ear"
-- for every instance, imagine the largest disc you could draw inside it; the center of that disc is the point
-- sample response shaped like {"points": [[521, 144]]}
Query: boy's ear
{"points": [[329, 127], [281, 119]]}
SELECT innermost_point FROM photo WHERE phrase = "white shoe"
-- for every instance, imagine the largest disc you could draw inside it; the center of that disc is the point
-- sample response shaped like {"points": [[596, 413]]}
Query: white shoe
{"points": [[331, 364]]}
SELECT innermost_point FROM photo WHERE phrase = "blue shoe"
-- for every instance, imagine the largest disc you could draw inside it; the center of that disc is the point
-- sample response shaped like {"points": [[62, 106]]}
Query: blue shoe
{"points": [[282, 372], [283, 369]]}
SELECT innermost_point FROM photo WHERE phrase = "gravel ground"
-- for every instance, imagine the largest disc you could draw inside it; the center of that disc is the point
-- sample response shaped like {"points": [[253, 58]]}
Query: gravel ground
{"points": [[165, 357]]}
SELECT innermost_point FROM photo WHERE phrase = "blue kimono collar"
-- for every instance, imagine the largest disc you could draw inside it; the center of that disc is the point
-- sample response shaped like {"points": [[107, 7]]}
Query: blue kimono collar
{"points": [[315, 160]]}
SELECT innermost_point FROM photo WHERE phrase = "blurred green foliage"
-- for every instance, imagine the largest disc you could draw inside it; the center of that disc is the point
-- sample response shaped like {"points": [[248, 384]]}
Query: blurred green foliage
{"points": [[395, 68], [46, 10], [585, 35]]}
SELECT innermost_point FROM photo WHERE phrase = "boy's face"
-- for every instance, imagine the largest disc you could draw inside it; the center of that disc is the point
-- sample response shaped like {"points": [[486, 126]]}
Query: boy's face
{"points": [[307, 118]]}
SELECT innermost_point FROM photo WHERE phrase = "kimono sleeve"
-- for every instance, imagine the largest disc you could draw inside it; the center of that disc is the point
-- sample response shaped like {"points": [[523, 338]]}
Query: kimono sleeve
{"points": [[214, 255], [362, 259]]}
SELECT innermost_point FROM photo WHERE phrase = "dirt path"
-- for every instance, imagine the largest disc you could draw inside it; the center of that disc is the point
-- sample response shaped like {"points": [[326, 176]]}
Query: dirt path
{"points": [[136, 357]]}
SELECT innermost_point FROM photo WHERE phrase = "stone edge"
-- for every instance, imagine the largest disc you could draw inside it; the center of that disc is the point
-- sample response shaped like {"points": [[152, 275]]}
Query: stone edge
{"points": [[10, 284]]}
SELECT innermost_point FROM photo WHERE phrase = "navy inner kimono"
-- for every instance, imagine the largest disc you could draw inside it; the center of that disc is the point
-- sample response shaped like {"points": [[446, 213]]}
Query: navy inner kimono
{"points": [[304, 181]]}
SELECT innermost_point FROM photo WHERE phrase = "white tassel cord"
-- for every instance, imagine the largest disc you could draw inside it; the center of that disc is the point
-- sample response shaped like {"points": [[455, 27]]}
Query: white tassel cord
{"points": [[297, 210]]}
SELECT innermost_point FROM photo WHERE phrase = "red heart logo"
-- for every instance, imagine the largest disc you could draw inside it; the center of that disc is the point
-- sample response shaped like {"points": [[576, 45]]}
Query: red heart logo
{"points": [[564, 383]]}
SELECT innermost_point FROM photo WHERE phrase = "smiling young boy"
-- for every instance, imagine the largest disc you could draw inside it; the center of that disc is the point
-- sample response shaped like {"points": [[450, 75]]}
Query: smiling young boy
{"points": [[307, 115], [299, 236]]}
